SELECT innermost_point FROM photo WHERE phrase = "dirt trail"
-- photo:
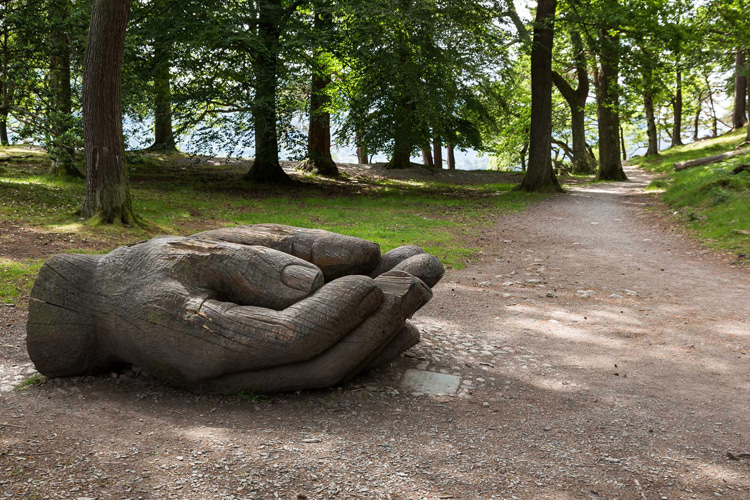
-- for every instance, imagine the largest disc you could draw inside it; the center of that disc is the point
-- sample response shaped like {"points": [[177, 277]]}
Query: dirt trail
{"points": [[601, 353]]}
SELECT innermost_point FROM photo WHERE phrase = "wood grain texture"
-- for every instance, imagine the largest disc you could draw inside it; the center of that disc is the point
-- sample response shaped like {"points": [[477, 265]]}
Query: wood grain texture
{"points": [[217, 313]]}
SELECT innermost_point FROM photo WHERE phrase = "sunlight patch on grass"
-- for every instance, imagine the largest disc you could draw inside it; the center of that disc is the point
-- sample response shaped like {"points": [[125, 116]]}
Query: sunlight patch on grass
{"points": [[710, 198], [16, 278]]}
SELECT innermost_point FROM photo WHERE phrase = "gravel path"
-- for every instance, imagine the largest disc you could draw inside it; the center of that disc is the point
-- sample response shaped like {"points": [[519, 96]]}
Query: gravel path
{"points": [[601, 355]]}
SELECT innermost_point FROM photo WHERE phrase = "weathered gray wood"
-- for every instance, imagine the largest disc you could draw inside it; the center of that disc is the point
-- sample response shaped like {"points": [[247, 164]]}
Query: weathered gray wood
{"points": [[220, 316], [393, 258], [684, 165], [425, 266], [335, 254]]}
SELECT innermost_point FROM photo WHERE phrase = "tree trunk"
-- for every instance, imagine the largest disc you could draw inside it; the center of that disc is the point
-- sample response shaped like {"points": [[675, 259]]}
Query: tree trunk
{"points": [[401, 149], [363, 152], [427, 157], [163, 133], [576, 99], [608, 103], [4, 129], [320, 160], [61, 150], [540, 175], [697, 120], [653, 139], [403, 141], [404, 119], [107, 190], [266, 167], [451, 156], [437, 146], [677, 104], [622, 144], [740, 91], [714, 120], [5, 90]]}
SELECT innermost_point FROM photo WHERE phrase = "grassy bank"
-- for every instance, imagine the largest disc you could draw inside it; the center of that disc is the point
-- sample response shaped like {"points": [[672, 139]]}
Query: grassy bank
{"points": [[178, 195], [710, 198]]}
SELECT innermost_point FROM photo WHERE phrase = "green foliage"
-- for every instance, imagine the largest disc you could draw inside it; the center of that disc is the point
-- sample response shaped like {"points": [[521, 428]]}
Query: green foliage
{"points": [[34, 380], [711, 198], [179, 196]]}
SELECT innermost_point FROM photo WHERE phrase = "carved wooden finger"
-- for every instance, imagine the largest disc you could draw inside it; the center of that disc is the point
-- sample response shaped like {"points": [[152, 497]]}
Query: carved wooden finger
{"points": [[335, 254], [245, 275], [391, 259], [255, 337], [424, 266], [403, 295], [406, 338]]}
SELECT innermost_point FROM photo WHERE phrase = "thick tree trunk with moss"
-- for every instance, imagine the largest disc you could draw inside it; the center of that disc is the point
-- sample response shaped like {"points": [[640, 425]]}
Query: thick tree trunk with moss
{"points": [[319, 159], [266, 166], [163, 132], [61, 150], [540, 175], [677, 104], [107, 190], [437, 147], [608, 103], [653, 138], [740, 91]]}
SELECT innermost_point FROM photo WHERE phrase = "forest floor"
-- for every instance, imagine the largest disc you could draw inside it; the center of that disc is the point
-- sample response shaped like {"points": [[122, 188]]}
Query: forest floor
{"points": [[602, 353]]}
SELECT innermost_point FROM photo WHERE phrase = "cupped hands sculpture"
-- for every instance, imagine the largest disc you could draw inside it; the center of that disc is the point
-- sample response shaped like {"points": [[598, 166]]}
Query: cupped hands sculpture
{"points": [[263, 308]]}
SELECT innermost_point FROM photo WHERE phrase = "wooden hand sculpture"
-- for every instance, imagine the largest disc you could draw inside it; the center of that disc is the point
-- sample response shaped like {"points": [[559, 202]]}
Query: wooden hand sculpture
{"points": [[257, 308]]}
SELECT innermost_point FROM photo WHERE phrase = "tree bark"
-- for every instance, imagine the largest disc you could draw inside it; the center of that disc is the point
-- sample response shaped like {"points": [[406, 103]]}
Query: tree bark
{"points": [[684, 165], [4, 129], [451, 156], [539, 174], [622, 144], [740, 91], [363, 153], [107, 190], [608, 102], [5, 90], [163, 133], [697, 119], [62, 151], [576, 99], [677, 105], [653, 139], [437, 146], [320, 160], [427, 157], [266, 166]]}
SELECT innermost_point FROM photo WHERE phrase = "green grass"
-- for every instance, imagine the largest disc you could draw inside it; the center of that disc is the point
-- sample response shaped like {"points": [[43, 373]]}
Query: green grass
{"points": [[16, 278], [177, 195], [710, 198], [35, 379]]}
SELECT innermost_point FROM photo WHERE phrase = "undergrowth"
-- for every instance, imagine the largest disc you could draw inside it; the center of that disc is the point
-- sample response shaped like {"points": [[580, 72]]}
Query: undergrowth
{"points": [[711, 198]]}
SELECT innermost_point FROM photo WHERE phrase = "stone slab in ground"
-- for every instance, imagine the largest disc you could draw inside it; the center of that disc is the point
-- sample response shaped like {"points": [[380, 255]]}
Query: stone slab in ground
{"points": [[430, 382]]}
